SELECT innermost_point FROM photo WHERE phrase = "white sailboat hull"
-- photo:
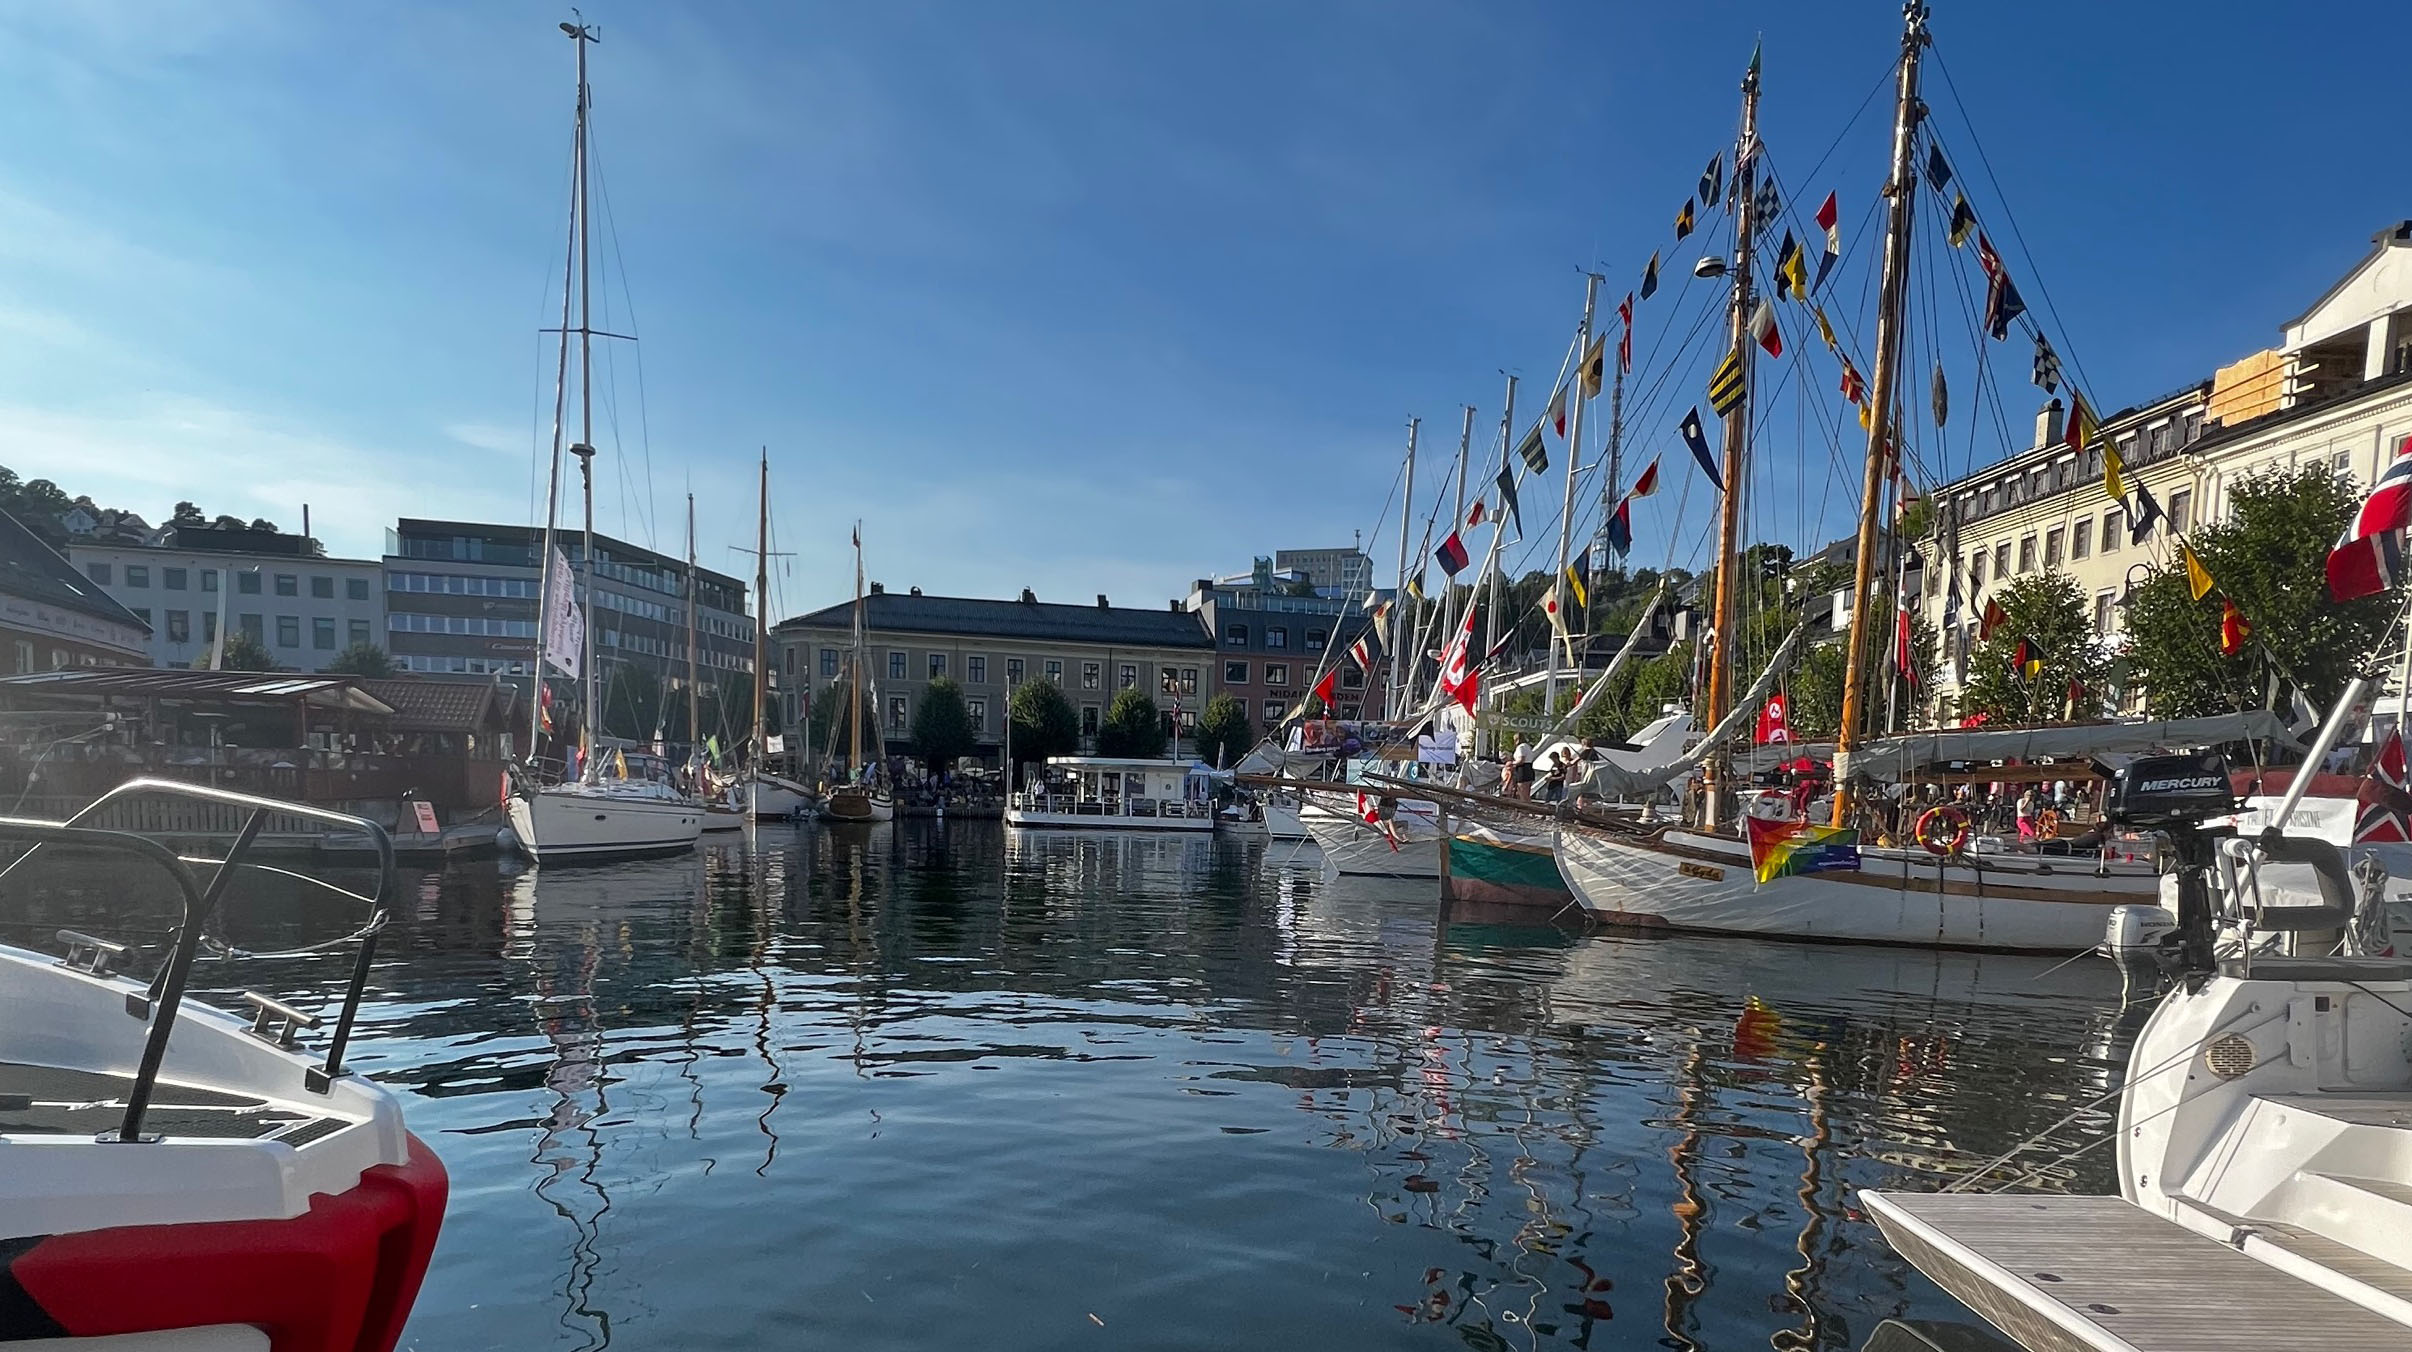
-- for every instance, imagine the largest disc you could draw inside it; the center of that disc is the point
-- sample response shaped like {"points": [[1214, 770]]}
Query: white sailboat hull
{"points": [[1352, 845], [768, 796], [571, 822], [1688, 880]]}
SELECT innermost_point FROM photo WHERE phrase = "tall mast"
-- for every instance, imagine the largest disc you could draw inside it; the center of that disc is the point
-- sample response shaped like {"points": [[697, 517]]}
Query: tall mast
{"points": [[1574, 449], [1737, 444], [1890, 303], [761, 613], [693, 722], [591, 710], [854, 697], [1400, 624], [1499, 525], [1465, 448], [552, 492], [1616, 459]]}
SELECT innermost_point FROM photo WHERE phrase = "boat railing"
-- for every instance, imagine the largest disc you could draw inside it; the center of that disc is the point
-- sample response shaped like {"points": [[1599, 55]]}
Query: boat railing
{"points": [[276, 1023], [1075, 805]]}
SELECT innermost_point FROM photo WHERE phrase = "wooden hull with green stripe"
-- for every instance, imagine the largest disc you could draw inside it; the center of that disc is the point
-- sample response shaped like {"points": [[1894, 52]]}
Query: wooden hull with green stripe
{"points": [[1496, 868]]}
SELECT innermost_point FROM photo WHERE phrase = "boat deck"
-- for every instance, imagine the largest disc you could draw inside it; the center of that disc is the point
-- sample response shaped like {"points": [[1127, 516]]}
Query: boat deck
{"points": [[2098, 1274], [52, 1101]]}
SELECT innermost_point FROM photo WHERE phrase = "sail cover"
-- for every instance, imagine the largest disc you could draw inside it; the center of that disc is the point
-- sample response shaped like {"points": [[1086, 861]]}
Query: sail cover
{"points": [[1890, 758]]}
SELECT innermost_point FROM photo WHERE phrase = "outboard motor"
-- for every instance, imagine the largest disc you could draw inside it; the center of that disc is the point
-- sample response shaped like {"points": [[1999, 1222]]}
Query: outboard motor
{"points": [[2176, 795]]}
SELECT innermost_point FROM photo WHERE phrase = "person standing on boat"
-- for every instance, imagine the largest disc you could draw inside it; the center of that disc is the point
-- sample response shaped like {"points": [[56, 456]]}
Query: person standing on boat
{"points": [[1520, 771]]}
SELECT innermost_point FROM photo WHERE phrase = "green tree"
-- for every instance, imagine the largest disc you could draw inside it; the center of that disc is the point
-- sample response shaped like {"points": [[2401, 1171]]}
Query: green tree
{"points": [[242, 652], [1664, 679], [826, 726], [2269, 556], [1224, 734], [187, 514], [363, 659], [942, 729], [1043, 721], [1132, 727], [2046, 612]]}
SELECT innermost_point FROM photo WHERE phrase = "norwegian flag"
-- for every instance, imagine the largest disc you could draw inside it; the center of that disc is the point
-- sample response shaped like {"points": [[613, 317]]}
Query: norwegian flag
{"points": [[2369, 556], [2386, 799]]}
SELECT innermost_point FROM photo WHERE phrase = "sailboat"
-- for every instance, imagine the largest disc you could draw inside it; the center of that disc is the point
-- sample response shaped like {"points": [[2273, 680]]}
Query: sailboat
{"points": [[862, 798], [586, 818], [768, 797], [722, 809], [1710, 876]]}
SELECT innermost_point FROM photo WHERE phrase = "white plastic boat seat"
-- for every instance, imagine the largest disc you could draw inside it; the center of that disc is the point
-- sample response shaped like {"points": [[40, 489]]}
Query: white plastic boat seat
{"points": [[56, 1101], [2319, 969], [2098, 1274]]}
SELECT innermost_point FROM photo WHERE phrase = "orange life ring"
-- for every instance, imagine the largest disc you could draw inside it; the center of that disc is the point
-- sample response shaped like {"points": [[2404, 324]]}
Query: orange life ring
{"points": [[1942, 830]]}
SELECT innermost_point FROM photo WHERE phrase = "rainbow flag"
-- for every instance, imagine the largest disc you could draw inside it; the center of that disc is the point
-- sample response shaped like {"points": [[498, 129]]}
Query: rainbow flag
{"points": [[1780, 849]]}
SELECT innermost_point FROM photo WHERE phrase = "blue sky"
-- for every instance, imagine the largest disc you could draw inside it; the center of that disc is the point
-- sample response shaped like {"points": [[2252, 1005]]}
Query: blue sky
{"points": [[1082, 297]]}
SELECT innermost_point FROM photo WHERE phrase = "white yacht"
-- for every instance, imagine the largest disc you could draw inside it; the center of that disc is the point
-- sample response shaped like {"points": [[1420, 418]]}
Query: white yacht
{"points": [[1114, 793], [604, 819], [2264, 1128]]}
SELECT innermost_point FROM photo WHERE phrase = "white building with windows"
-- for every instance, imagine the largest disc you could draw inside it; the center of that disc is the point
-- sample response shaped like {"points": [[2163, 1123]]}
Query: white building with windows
{"points": [[304, 608], [2336, 392]]}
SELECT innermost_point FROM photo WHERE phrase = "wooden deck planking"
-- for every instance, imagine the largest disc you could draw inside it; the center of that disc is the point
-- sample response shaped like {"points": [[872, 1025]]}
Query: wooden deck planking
{"points": [[2140, 1282]]}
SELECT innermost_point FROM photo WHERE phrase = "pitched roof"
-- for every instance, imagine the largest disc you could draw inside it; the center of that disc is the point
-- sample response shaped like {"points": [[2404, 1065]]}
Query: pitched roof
{"points": [[1036, 621], [234, 687], [32, 570], [423, 705]]}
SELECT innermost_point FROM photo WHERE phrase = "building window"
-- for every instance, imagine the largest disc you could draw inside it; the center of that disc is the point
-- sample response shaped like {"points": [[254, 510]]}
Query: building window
{"points": [[2001, 560], [1088, 720], [978, 709], [1130, 677], [2102, 612], [247, 582], [1055, 671], [1014, 668], [359, 631], [2055, 547], [59, 657], [897, 713], [288, 584], [25, 653], [356, 588], [2181, 512], [2156, 441], [896, 664], [322, 586], [1235, 673], [1189, 680], [2026, 553], [175, 579], [209, 626], [1352, 676], [99, 572], [1273, 712], [288, 631], [1976, 569], [2191, 427], [1092, 675], [1277, 673], [2114, 527], [1236, 635], [975, 669], [829, 663], [1276, 636], [2081, 538], [937, 665], [138, 575], [1317, 640], [209, 579], [180, 626], [322, 633], [251, 626]]}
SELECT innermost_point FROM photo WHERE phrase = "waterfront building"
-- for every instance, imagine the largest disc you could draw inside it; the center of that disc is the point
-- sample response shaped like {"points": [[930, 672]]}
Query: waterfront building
{"points": [[460, 597], [300, 605], [1274, 636], [2336, 392], [990, 647], [53, 616]]}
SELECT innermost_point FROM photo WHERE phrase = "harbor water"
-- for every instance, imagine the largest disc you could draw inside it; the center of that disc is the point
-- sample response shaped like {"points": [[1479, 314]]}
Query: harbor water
{"points": [[936, 1084]]}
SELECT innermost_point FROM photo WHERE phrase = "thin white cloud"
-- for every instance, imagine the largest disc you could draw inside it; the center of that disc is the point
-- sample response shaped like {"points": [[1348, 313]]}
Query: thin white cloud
{"points": [[487, 436]]}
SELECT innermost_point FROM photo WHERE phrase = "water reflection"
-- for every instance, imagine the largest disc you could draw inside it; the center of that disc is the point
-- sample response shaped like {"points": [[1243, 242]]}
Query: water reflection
{"points": [[913, 1084]]}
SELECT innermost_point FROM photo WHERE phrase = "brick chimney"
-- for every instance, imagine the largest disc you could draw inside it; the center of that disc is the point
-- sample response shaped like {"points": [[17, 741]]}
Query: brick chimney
{"points": [[2047, 424], [1101, 601]]}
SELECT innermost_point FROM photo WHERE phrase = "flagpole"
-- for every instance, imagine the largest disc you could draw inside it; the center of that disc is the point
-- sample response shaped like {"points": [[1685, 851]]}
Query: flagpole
{"points": [[1574, 448], [1719, 643], [1499, 525], [1890, 306], [1457, 523], [589, 717], [1399, 627]]}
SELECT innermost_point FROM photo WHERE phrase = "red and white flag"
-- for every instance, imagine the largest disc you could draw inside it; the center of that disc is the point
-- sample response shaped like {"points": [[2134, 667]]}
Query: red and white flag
{"points": [[1460, 677], [1775, 724], [1763, 327], [2369, 556], [2385, 798], [1646, 484]]}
